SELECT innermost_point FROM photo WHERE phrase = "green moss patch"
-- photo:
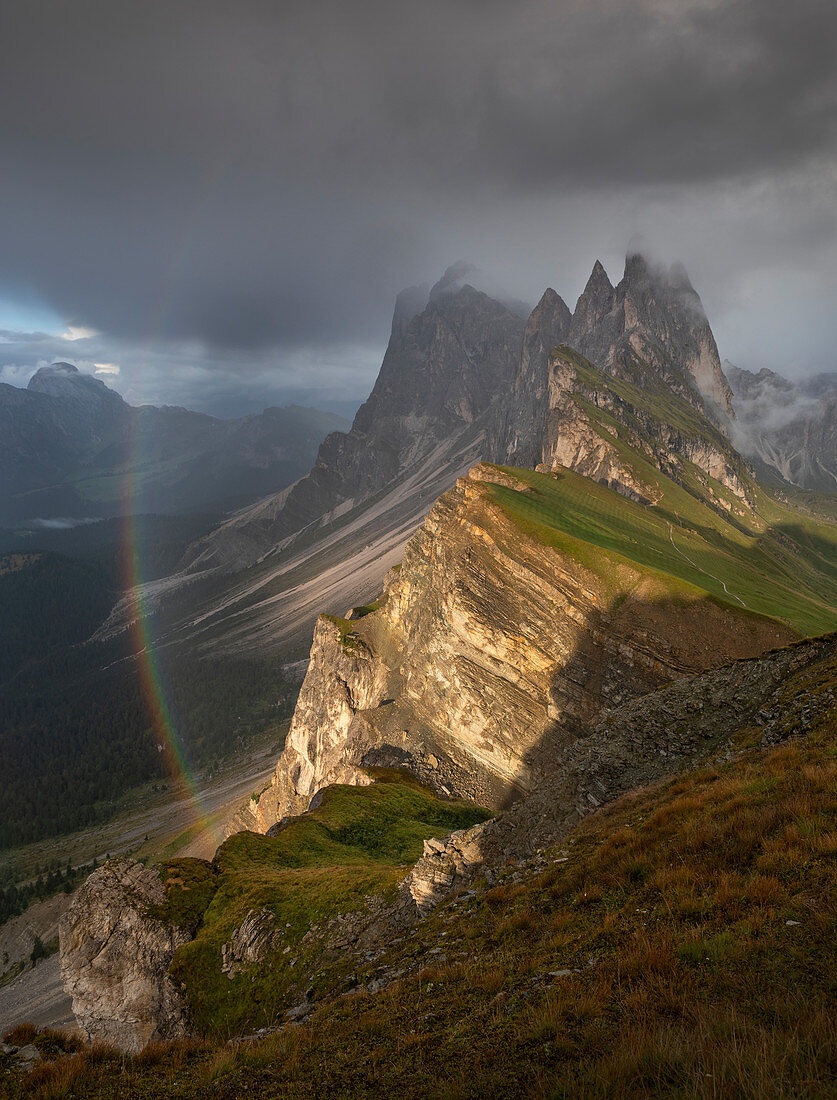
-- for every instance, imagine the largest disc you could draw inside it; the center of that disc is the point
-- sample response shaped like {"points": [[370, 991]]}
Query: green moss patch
{"points": [[357, 844]]}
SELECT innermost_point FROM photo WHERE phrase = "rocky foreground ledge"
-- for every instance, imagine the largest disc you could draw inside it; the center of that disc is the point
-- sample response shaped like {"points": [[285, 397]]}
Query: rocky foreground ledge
{"points": [[115, 955], [119, 938]]}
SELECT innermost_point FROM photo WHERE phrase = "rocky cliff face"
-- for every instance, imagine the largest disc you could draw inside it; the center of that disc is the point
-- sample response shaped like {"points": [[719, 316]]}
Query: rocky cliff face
{"points": [[460, 364], [115, 954], [580, 399], [655, 316], [522, 415], [489, 653], [646, 739]]}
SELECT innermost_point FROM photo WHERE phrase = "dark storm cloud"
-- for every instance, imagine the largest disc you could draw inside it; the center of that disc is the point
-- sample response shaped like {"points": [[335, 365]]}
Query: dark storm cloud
{"points": [[262, 175]]}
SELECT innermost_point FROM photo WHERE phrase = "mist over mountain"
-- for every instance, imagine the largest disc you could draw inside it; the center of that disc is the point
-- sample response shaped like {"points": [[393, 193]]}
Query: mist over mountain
{"points": [[788, 429], [453, 382]]}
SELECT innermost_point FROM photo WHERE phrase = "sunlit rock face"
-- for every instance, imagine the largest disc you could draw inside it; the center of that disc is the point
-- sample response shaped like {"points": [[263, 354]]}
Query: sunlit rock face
{"points": [[570, 439], [650, 737], [115, 955], [488, 654]]}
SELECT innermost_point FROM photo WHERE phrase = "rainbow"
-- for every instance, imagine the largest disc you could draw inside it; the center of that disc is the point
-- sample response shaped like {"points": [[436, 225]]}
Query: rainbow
{"points": [[150, 666], [146, 653]]}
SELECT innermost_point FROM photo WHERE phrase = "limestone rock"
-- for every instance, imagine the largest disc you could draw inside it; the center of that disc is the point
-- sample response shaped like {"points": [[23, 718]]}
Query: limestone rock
{"points": [[489, 655], [570, 439], [250, 942], [646, 739], [115, 955]]}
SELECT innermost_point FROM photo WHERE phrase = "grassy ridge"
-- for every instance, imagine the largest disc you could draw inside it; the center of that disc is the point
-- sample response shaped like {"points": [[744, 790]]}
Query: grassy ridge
{"points": [[781, 563], [359, 842]]}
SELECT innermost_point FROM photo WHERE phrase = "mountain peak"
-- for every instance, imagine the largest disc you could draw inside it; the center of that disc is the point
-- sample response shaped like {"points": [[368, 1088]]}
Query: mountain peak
{"points": [[66, 380], [637, 268], [54, 370], [452, 280], [595, 303], [599, 275]]}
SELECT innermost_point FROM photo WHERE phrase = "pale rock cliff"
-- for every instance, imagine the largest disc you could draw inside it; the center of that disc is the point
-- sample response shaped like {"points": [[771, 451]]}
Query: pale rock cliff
{"points": [[115, 955], [490, 653], [344, 678], [572, 439]]}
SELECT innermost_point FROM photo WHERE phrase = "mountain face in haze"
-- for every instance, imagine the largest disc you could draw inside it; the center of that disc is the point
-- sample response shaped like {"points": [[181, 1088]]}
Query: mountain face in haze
{"points": [[788, 431], [465, 379], [443, 368], [71, 447], [654, 316], [462, 363]]}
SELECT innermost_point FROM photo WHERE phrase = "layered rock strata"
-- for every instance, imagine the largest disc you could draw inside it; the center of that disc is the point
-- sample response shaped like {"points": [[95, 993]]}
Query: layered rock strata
{"points": [[647, 739], [489, 654]]}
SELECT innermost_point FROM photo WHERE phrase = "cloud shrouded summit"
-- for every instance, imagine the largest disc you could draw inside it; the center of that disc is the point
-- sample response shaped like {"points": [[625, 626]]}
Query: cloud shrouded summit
{"points": [[260, 177]]}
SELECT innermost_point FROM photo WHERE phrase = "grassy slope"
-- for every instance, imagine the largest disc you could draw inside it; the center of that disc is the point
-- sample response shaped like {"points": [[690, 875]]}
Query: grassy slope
{"points": [[682, 943], [778, 562], [359, 842]]}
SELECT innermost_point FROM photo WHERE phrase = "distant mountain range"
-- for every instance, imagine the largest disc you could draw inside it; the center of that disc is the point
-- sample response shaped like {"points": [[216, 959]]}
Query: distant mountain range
{"points": [[71, 448]]}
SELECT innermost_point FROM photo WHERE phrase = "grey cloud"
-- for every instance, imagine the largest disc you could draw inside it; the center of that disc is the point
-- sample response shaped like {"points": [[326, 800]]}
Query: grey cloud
{"points": [[261, 178]]}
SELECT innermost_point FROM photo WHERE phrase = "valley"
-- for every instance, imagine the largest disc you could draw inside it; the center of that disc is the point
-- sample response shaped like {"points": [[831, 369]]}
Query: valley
{"points": [[150, 824], [561, 632]]}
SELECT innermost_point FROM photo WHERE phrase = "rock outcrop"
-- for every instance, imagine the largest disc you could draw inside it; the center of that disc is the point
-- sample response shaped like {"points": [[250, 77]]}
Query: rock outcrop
{"points": [[645, 740], [344, 677], [489, 654], [250, 942], [522, 415], [115, 954]]}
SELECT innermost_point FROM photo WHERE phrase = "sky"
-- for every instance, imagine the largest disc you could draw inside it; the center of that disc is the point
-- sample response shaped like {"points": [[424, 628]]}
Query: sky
{"points": [[213, 204]]}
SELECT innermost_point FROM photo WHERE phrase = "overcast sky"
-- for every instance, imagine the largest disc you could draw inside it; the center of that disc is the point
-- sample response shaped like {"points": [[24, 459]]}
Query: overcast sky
{"points": [[220, 200]]}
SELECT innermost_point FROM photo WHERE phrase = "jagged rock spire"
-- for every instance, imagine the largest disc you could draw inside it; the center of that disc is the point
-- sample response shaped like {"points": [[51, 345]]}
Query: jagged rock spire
{"points": [[595, 303], [654, 315], [521, 418]]}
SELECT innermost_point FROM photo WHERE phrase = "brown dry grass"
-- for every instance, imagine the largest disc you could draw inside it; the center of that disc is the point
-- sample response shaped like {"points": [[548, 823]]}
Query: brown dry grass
{"points": [[688, 948]]}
